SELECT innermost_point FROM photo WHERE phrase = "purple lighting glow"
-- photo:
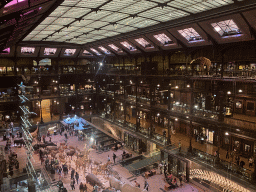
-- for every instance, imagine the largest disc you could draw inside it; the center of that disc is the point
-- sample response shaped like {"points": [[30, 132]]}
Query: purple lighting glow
{"points": [[14, 2], [5, 51], [69, 52], [27, 50]]}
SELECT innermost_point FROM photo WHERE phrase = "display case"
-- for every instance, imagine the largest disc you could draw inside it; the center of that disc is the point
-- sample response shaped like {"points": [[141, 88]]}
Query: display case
{"points": [[239, 106], [250, 108]]}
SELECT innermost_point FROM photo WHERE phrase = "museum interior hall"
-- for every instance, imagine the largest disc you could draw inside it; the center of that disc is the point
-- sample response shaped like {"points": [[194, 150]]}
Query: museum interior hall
{"points": [[128, 95]]}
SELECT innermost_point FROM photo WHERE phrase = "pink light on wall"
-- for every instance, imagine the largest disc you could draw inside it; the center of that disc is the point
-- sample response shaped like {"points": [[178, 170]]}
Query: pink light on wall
{"points": [[14, 2], [5, 51]]}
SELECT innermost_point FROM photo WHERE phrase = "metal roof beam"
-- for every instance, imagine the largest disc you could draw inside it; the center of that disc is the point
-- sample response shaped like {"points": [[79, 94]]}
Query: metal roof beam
{"points": [[178, 41], [252, 30], [210, 38]]}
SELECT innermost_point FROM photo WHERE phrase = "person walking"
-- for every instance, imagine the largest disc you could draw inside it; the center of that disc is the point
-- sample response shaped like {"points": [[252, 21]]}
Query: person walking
{"points": [[72, 184], [81, 187], [227, 155], [72, 173], [85, 188], [179, 147], [108, 158], [60, 171], [146, 185], [77, 177], [114, 158], [137, 184]]}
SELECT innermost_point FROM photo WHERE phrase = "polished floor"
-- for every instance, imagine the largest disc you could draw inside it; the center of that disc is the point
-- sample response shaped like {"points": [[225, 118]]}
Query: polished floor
{"points": [[156, 182]]}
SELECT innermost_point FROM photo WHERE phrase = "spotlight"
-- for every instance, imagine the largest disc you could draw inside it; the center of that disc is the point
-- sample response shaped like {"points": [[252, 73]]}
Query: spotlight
{"points": [[101, 63]]}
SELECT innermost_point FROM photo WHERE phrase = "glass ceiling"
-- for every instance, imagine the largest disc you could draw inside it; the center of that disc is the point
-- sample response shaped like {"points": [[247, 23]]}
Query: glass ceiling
{"points": [[115, 48], [95, 51], [190, 34], [128, 46], [144, 43], [226, 28], [104, 50], [84, 21], [163, 39]]}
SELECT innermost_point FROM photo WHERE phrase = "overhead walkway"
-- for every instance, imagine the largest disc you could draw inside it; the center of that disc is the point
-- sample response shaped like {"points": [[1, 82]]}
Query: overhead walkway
{"points": [[143, 165]]}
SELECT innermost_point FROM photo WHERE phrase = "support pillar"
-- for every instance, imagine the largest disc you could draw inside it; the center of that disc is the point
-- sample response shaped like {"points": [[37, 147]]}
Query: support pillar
{"points": [[162, 156], [41, 111]]}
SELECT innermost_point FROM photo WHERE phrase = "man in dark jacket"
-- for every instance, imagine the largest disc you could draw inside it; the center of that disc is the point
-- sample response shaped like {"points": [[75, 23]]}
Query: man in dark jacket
{"points": [[77, 177], [72, 173]]}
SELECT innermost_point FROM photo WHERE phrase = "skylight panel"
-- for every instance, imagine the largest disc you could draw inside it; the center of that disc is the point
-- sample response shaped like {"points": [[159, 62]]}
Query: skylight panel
{"points": [[96, 16], [95, 51], [69, 52], [191, 35], [111, 33], [226, 28], [59, 11], [145, 23], [5, 51], [144, 43], [27, 50], [98, 37], [163, 39], [115, 48], [48, 20], [130, 20], [63, 21], [125, 29], [114, 17], [128, 46], [70, 2], [91, 4], [76, 12], [116, 5], [105, 50], [45, 32], [86, 53], [53, 27], [138, 7], [50, 51], [40, 27], [97, 24]]}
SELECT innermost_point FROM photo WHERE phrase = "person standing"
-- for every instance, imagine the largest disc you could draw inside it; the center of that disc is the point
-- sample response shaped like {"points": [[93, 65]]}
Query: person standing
{"points": [[146, 185], [250, 162], [237, 160], [72, 184], [95, 188], [179, 147], [227, 155], [114, 158], [44, 138], [160, 168], [77, 177], [108, 158]]}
